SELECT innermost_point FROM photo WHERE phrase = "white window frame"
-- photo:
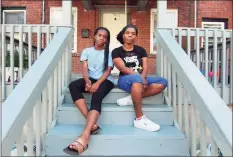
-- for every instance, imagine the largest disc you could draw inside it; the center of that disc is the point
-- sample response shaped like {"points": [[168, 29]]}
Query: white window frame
{"points": [[152, 33], [222, 27], [75, 14], [13, 11]]}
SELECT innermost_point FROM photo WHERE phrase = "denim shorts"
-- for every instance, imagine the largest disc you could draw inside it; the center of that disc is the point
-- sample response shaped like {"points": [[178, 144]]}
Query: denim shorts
{"points": [[125, 82]]}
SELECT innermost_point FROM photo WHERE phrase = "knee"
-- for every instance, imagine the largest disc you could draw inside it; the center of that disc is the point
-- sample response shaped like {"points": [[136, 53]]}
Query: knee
{"points": [[164, 83], [71, 85], [136, 79]]}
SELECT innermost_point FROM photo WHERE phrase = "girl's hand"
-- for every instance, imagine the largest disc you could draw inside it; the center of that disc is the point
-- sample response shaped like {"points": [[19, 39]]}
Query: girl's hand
{"points": [[94, 87]]}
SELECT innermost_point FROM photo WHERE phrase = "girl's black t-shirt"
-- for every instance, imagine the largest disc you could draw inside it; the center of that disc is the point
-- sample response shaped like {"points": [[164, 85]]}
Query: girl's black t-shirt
{"points": [[132, 59]]}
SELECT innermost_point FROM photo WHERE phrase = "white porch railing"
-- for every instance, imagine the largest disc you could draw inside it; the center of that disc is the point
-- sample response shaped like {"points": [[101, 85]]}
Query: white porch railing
{"points": [[212, 52], [24, 43], [29, 111], [186, 82]]}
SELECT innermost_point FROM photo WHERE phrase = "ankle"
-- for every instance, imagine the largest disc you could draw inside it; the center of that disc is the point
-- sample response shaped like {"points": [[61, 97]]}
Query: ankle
{"points": [[139, 117]]}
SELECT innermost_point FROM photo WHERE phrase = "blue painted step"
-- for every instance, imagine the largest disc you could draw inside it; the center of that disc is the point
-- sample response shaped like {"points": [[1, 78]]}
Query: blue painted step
{"points": [[116, 140], [117, 115], [116, 94]]}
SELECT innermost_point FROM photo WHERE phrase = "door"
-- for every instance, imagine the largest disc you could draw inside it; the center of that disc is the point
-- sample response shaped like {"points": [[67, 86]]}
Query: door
{"points": [[114, 21]]}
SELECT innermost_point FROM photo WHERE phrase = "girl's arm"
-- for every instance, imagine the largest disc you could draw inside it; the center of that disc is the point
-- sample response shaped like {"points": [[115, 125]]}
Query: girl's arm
{"points": [[121, 66]]}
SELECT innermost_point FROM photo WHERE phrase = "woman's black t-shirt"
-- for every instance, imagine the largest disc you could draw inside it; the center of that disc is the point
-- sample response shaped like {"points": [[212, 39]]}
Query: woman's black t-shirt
{"points": [[132, 59]]}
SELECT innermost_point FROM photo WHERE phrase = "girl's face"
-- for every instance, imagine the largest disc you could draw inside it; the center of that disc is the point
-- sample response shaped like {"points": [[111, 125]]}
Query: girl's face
{"points": [[130, 36], [101, 37]]}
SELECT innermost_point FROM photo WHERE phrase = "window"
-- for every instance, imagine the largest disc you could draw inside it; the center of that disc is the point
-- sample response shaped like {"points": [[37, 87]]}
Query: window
{"points": [[14, 16], [212, 25], [171, 22]]}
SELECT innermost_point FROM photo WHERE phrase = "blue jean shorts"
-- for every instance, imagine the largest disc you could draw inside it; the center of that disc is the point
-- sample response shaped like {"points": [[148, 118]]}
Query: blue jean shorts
{"points": [[125, 82]]}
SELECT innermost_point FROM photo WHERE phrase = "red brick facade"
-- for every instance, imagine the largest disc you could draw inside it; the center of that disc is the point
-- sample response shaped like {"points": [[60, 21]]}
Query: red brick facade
{"points": [[90, 19]]}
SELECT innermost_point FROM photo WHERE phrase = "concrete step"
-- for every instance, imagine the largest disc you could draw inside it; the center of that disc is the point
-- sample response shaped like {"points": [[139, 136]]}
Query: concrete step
{"points": [[117, 115], [117, 140], [116, 94]]}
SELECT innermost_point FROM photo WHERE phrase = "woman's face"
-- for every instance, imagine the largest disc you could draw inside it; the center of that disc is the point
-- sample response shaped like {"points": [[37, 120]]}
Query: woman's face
{"points": [[101, 37], [130, 36]]}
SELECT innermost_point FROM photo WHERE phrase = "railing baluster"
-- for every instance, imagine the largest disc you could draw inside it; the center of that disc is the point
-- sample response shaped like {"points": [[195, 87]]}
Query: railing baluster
{"points": [[50, 110], [30, 136], [59, 80], [38, 41], [203, 143], [169, 82], [193, 131], [20, 145], [180, 111], [186, 113], [12, 65], [63, 72], [38, 128], [188, 42], [231, 70], [214, 147], [3, 90], [174, 93], [44, 110], [180, 36], [55, 91], [47, 35], [198, 49], [29, 46], [206, 53], [223, 66], [215, 60], [66, 66], [21, 53]]}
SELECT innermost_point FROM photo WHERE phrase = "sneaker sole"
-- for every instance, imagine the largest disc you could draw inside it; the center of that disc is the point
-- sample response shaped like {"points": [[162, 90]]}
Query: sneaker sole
{"points": [[147, 129]]}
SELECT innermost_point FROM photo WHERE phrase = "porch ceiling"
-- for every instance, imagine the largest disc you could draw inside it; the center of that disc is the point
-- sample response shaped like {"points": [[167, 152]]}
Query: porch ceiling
{"points": [[90, 4]]}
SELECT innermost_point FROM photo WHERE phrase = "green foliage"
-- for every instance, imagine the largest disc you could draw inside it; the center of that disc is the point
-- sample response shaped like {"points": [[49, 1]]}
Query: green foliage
{"points": [[16, 59]]}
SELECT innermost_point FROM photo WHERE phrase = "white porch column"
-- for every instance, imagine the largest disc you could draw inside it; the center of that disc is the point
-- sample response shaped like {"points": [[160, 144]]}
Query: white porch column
{"points": [[161, 23], [67, 20], [67, 12], [162, 12]]}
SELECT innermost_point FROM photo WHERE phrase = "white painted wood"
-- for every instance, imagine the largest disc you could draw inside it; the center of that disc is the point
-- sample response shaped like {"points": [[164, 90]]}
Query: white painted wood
{"points": [[30, 136], [206, 54], [50, 103], [193, 130], [3, 89], [197, 49], [214, 147], [12, 57], [215, 60], [34, 28], [231, 70], [186, 114], [48, 35], [162, 9], [210, 106], [201, 32], [224, 66], [63, 71], [32, 85], [174, 93], [38, 128], [66, 67], [169, 82], [38, 42], [55, 91], [180, 99], [180, 37], [203, 143], [165, 72], [67, 12], [44, 105], [59, 79], [21, 61], [20, 145], [188, 43], [29, 46]]}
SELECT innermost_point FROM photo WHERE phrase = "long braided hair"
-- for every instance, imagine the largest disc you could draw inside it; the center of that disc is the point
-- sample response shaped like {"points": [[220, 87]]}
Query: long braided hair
{"points": [[106, 48]]}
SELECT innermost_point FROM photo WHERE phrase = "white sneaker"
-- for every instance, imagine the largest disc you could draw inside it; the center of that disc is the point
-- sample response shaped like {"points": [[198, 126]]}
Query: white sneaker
{"points": [[146, 124], [125, 101]]}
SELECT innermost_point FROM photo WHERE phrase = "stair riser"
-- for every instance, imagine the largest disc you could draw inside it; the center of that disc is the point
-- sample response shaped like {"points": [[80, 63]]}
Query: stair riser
{"points": [[113, 96], [120, 146], [114, 117]]}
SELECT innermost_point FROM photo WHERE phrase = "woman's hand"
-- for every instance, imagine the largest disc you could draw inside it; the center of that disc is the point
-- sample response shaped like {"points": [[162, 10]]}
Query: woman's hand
{"points": [[94, 87], [88, 85], [145, 84]]}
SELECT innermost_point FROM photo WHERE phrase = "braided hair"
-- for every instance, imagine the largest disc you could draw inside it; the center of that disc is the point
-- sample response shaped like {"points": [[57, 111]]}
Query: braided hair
{"points": [[106, 48]]}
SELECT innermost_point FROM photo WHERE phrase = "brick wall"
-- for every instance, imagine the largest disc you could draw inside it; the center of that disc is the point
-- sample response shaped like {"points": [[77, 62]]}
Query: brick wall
{"points": [[90, 19]]}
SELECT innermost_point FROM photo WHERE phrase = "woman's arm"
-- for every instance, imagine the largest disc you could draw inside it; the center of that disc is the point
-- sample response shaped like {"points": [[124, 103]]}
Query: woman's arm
{"points": [[96, 85], [144, 67], [118, 62], [85, 75]]}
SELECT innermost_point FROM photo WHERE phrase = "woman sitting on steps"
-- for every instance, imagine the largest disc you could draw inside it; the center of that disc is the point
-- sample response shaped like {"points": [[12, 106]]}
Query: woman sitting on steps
{"points": [[96, 68]]}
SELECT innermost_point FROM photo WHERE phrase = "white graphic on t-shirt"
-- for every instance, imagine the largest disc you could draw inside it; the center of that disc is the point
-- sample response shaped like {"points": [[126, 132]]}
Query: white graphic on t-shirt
{"points": [[133, 59]]}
